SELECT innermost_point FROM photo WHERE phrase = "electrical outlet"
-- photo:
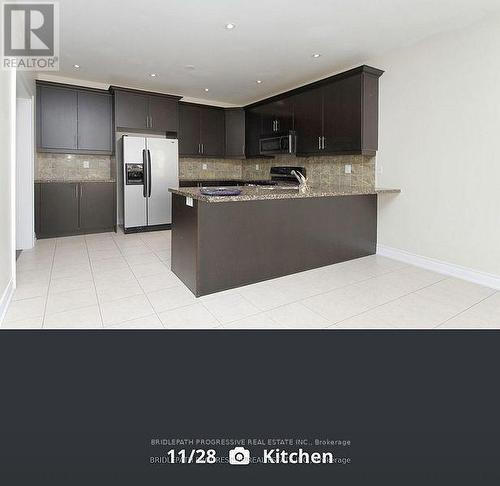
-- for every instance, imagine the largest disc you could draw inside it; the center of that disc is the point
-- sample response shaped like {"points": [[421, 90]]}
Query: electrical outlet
{"points": [[257, 166], [204, 167], [86, 164], [348, 168]]}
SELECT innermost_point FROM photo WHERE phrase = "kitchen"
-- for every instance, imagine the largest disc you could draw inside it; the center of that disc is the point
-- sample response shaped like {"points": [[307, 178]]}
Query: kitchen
{"points": [[182, 199], [336, 117]]}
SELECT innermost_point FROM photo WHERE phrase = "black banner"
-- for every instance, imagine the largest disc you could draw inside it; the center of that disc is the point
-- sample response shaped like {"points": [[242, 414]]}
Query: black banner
{"points": [[249, 407]]}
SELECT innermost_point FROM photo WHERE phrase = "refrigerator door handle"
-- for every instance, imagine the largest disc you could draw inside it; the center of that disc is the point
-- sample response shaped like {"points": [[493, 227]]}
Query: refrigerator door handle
{"points": [[144, 174], [149, 173]]}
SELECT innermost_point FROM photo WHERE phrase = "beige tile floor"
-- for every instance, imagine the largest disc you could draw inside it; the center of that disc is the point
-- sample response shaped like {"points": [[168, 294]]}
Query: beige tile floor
{"points": [[117, 281]]}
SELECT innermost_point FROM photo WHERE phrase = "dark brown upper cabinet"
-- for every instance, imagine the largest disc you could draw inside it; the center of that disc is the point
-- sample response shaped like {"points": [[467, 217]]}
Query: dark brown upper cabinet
{"points": [[164, 113], [342, 113], [235, 132], [201, 130], [141, 110], [131, 110], [57, 118], [189, 130], [308, 114], [336, 115], [94, 121], [74, 120], [328, 119], [253, 131], [212, 132], [277, 117]]}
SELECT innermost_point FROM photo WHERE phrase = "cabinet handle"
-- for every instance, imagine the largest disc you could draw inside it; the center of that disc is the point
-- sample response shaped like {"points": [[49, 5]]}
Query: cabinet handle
{"points": [[323, 145], [319, 143], [202, 148], [151, 121], [76, 191]]}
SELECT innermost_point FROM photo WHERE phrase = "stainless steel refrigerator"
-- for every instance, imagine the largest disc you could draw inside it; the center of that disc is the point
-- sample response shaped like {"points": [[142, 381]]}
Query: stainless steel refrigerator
{"points": [[150, 167]]}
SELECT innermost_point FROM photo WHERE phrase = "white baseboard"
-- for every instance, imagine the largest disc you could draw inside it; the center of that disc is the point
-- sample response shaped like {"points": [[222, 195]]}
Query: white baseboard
{"points": [[481, 278], [5, 300]]}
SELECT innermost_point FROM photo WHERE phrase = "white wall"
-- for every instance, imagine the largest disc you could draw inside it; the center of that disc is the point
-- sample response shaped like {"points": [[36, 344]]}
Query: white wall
{"points": [[7, 192], [440, 143]]}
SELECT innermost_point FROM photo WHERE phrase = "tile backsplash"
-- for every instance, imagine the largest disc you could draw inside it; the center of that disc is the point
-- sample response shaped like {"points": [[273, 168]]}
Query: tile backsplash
{"points": [[66, 167], [320, 170], [220, 169]]}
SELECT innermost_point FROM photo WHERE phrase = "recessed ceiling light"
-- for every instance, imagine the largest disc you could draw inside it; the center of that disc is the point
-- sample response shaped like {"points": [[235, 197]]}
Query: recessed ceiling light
{"points": [[153, 75], [230, 26], [206, 89], [316, 55], [76, 66], [258, 81]]}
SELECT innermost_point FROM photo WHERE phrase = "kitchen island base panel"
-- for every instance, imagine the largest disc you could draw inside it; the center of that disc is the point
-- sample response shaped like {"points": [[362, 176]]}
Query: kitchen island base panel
{"points": [[217, 247]]}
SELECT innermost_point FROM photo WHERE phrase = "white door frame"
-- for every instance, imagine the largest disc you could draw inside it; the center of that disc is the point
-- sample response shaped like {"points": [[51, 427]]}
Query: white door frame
{"points": [[25, 184]]}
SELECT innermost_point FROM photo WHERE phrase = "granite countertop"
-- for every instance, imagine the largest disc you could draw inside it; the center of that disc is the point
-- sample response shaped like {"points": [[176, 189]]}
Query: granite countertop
{"points": [[265, 193], [72, 181]]}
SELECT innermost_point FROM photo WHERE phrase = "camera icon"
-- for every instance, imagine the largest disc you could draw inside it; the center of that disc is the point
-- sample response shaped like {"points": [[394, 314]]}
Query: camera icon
{"points": [[239, 456]]}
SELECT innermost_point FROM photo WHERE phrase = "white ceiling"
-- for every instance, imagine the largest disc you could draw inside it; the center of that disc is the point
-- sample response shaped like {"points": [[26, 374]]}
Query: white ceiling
{"points": [[122, 41]]}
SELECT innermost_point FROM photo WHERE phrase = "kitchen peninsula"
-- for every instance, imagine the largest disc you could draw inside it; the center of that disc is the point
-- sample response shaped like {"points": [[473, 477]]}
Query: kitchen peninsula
{"points": [[223, 242]]}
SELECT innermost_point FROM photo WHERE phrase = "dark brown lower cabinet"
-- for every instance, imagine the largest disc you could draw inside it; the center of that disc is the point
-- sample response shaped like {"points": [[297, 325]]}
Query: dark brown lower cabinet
{"points": [[97, 207], [65, 209], [57, 210]]}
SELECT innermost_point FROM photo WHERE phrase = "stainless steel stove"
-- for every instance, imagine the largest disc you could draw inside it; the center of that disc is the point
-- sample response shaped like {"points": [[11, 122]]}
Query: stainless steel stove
{"points": [[280, 176]]}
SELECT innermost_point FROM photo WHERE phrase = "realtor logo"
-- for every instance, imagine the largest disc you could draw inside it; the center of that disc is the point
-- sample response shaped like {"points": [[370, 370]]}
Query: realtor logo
{"points": [[31, 36]]}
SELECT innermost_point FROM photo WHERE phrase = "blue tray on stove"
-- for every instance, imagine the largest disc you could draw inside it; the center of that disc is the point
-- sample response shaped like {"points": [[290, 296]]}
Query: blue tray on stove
{"points": [[220, 191]]}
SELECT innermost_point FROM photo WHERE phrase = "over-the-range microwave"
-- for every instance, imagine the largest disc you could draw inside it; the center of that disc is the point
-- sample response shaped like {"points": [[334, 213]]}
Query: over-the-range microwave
{"points": [[279, 144]]}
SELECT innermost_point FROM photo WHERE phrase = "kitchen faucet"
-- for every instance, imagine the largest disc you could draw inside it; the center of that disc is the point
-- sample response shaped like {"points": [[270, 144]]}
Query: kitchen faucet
{"points": [[301, 178]]}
